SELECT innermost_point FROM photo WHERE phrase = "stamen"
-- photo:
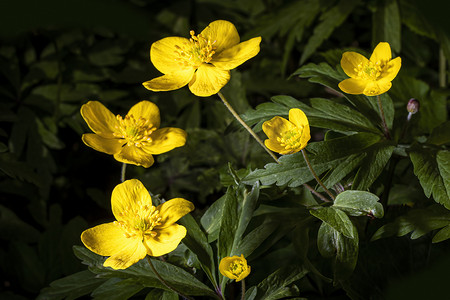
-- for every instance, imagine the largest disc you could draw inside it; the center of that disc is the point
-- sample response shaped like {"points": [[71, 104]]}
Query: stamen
{"points": [[134, 132], [200, 50]]}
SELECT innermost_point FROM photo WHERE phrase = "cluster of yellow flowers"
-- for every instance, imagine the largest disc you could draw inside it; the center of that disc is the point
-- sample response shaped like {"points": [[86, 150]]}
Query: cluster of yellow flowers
{"points": [[202, 62]]}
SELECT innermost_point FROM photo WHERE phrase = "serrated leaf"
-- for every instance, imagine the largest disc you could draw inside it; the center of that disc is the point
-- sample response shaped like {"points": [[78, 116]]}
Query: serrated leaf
{"points": [[343, 169], [359, 203], [72, 286], [440, 135], [330, 20], [161, 295], [344, 250], [336, 218], [433, 168], [387, 24], [276, 285], [417, 221], [292, 169]]}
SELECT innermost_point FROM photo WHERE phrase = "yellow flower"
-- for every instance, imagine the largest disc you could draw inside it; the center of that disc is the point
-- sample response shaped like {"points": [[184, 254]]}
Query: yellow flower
{"points": [[140, 228], [203, 61], [133, 139], [234, 267], [372, 76], [287, 137]]}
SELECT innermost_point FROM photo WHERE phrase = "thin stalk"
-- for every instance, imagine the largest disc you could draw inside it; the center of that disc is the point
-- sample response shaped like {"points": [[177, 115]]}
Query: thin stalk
{"points": [[315, 192], [243, 289], [122, 172], [442, 71], [253, 134], [315, 175], [164, 282], [383, 119]]}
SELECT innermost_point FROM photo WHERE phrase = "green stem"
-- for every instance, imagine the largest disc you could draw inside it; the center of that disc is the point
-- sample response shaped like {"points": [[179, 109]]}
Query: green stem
{"points": [[315, 175], [442, 67], [253, 134], [164, 282], [383, 119], [243, 289], [122, 172]]}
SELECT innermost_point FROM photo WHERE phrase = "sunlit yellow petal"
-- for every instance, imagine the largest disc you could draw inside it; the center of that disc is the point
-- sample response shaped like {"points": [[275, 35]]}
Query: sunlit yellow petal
{"points": [[391, 70], [237, 55], [172, 210], [170, 81], [234, 267], [165, 54], [165, 241], [222, 33], [99, 119], [132, 252], [127, 195], [381, 53], [146, 110], [135, 156], [353, 86], [99, 143], [276, 147], [306, 136], [105, 239], [298, 117], [275, 127], [208, 80], [166, 139], [350, 61], [375, 88]]}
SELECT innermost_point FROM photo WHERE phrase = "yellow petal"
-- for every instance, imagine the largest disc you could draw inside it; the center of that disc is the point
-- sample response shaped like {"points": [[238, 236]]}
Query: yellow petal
{"points": [[109, 240], [391, 70], [165, 139], [276, 127], [381, 53], [353, 86], [222, 33], [170, 82], [129, 194], [147, 110], [375, 88], [165, 241], [350, 61], [105, 145], [234, 267], [172, 210], [208, 80], [99, 119], [275, 146], [298, 118], [305, 137], [135, 156], [237, 55], [164, 54]]}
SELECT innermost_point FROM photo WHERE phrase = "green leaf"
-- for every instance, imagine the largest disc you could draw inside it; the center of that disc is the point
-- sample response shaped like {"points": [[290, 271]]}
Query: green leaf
{"points": [[256, 237], [419, 222], [141, 273], [372, 165], [343, 169], [433, 110], [161, 295], [330, 20], [336, 218], [212, 219], [343, 250], [116, 288], [72, 286], [433, 170], [387, 24], [229, 224], [13, 228], [292, 169], [440, 135], [276, 285], [359, 203]]}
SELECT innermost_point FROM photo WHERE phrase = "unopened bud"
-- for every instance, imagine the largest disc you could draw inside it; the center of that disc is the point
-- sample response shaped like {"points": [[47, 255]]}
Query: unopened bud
{"points": [[413, 106]]}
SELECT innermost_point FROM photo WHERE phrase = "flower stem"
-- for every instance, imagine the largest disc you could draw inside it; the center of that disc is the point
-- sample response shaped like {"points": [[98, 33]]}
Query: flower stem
{"points": [[164, 282], [253, 134], [383, 119], [315, 175], [122, 172], [243, 289]]}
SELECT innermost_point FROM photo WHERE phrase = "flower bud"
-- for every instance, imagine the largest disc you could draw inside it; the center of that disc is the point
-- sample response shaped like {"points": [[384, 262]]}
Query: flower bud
{"points": [[413, 106]]}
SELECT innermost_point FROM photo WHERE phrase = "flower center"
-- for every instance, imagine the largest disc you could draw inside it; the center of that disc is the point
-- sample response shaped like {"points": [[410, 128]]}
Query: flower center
{"points": [[199, 51], [139, 220], [291, 139], [135, 132], [237, 267], [370, 70]]}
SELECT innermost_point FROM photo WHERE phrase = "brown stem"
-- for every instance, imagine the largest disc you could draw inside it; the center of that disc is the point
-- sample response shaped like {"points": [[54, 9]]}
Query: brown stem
{"points": [[315, 175]]}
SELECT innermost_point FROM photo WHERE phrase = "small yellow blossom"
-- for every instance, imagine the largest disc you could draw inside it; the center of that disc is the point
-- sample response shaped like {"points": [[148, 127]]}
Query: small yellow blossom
{"points": [[372, 76], [287, 137], [141, 229], [234, 267], [132, 139], [203, 61]]}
